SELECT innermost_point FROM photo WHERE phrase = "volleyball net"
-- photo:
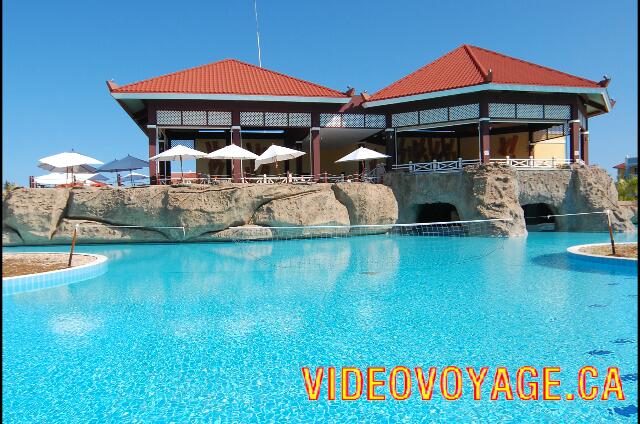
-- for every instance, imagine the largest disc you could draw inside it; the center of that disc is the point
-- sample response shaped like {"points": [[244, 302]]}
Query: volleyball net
{"points": [[471, 228], [593, 221]]}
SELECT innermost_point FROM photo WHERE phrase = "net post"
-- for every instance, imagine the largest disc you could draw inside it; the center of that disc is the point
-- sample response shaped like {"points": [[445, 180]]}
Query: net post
{"points": [[73, 245], [613, 244]]}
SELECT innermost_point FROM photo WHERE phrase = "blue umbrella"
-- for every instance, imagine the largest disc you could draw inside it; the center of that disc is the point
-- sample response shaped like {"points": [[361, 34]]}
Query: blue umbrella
{"points": [[127, 163]]}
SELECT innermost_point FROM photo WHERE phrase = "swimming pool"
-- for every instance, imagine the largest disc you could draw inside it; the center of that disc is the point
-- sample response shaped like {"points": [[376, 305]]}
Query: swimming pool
{"points": [[219, 332]]}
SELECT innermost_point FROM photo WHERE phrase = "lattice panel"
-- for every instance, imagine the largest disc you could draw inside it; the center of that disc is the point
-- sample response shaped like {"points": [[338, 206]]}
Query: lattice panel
{"points": [[273, 119], [431, 116], [331, 120], [353, 120], [471, 111], [168, 117], [557, 111], [530, 111], [502, 110], [299, 119], [186, 143], [375, 121], [219, 118], [404, 119], [194, 117], [252, 118]]}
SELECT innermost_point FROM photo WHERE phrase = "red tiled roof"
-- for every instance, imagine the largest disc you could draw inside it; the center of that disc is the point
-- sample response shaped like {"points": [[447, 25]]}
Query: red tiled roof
{"points": [[229, 76], [620, 166], [469, 65]]}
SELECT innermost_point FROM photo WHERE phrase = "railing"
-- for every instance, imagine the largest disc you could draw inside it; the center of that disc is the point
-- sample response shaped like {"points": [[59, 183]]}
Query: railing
{"points": [[272, 179], [202, 179], [458, 165], [531, 163], [435, 166]]}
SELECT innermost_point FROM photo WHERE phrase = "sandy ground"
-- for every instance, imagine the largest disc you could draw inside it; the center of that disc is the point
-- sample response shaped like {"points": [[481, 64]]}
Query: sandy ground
{"points": [[14, 264], [622, 250]]}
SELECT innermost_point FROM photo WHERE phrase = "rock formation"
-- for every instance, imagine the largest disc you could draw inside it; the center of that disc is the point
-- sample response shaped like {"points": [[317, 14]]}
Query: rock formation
{"points": [[214, 213], [196, 213], [498, 191]]}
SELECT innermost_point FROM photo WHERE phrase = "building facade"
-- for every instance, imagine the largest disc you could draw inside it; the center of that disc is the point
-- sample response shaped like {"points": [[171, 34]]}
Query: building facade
{"points": [[471, 105]]}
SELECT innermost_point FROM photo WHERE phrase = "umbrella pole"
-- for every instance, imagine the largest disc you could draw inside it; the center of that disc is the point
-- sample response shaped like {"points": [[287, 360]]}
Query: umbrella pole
{"points": [[181, 171]]}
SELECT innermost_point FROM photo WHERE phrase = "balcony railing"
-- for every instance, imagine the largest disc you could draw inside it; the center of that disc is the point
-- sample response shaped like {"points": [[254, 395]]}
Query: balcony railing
{"points": [[536, 164], [458, 165], [435, 166]]}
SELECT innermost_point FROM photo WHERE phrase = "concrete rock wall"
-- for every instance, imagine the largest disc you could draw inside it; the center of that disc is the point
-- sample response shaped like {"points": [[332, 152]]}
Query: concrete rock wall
{"points": [[48, 216], [498, 191]]}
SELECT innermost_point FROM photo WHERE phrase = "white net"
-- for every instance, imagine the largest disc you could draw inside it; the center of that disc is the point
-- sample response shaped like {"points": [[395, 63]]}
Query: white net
{"points": [[474, 228], [595, 221], [374, 251]]}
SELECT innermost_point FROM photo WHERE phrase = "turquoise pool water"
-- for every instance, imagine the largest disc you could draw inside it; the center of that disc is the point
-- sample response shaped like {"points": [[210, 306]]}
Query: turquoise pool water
{"points": [[219, 332]]}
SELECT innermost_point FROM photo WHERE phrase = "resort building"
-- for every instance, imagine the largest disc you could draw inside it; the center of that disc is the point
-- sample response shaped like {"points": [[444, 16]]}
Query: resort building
{"points": [[469, 106], [628, 168]]}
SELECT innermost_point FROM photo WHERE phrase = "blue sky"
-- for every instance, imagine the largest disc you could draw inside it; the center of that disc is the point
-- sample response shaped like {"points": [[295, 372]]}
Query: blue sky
{"points": [[58, 55]]}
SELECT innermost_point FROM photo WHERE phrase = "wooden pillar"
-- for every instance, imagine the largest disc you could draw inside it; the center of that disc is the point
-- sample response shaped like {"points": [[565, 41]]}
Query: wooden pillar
{"points": [[485, 140], [237, 165], [152, 133], [315, 153], [584, 146], [390, 148], [483, 132]]}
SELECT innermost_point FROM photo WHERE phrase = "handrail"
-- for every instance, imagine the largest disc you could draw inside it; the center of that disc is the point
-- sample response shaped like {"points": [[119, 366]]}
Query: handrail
{"points": [[458, 165], [435, 166], [536, 163]]}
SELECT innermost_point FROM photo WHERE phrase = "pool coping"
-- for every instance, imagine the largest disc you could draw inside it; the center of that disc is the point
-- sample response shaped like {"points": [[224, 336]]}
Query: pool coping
{"points": [[574, 251], [43, 280]]}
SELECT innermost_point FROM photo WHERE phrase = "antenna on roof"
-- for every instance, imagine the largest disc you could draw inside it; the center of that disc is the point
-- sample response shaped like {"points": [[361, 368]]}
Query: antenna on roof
{"points": [[255, 9]]}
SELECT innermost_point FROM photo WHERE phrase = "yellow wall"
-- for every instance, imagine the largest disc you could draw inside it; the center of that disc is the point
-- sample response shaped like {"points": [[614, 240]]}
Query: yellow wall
{"points": [[516, 145], [552, 148]]}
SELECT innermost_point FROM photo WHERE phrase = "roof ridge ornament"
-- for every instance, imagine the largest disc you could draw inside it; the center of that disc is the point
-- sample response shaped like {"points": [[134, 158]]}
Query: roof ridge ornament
{"points": [[489, 76], [604, 82]]}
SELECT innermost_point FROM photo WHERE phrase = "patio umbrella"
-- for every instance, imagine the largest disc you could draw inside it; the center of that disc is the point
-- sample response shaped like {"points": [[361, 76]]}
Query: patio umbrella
{"points": [[134, 176], [362, 154], [99, 178], [276, 154], [59, 178], [232, 152], [180, 153], [69, 162], [127, 163]]}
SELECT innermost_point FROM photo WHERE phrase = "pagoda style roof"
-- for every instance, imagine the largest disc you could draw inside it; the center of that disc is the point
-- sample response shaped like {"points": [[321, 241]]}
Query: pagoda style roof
{"points": [[470, 66], [227, 79]]}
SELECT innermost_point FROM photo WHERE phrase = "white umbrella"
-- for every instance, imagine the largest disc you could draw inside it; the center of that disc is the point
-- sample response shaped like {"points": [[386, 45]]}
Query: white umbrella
{"points": [[69, 162], [276, 154], [58, 178], [362, 154], [180, 153], [232, 152]]}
